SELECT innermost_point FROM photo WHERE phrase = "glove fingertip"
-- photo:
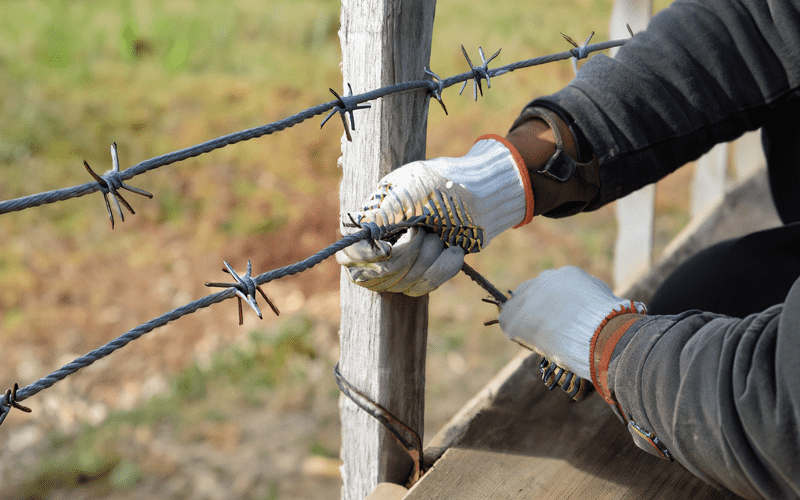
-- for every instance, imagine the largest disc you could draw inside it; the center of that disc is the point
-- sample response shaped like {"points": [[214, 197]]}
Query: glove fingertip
{"points": [[364, 252]]}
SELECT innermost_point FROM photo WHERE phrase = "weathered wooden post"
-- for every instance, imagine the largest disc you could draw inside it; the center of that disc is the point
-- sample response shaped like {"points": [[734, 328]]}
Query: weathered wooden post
{"points": [[710, 180], [635, 213], [383, 336]]}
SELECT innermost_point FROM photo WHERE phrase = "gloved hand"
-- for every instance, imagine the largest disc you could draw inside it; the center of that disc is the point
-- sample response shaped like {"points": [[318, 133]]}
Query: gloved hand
{"points": [[467, 200], [558, 313]]}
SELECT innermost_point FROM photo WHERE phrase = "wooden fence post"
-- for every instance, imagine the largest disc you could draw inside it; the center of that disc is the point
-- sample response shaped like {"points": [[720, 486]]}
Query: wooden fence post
{"points": [[635, 215], [383, 336]]}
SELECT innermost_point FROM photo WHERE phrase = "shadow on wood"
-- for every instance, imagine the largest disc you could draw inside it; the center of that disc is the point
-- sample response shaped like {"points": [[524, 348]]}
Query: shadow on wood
{"points": [[528, 442]]}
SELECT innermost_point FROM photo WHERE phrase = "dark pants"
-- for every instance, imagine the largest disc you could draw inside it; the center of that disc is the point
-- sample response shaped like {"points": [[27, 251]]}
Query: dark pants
{"points": [[736, 277], [746, 275]]}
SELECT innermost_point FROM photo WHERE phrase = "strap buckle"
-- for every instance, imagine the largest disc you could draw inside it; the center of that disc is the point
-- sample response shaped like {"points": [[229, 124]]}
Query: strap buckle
{"points": [[647, 441], [560, 166]]}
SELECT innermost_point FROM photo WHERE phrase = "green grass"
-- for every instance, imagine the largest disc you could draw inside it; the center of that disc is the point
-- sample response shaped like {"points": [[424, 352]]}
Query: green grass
{"points": [[100, 457]]}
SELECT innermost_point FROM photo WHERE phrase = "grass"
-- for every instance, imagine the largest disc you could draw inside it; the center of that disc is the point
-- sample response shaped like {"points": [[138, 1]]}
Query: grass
{"points": [[104, 458], [156, 76]]}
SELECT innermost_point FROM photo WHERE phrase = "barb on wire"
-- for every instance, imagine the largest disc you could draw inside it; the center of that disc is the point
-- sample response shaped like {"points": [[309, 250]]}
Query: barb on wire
{"points": [[407, 437], [342, 104], [10, 400], [110, 182], [370, 230], [436, 91], [479, 72], [579, 52], [245, 288], [345, 105]]}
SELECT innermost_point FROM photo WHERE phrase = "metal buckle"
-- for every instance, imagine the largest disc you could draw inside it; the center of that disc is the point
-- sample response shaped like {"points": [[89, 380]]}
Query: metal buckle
{"points": [[560, 166], [648, 441]]}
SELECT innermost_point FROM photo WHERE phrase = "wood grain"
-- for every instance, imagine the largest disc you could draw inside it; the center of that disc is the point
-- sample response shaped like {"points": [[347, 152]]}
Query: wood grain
{"points": [[532, 443], [635, 212], [383, 336]]}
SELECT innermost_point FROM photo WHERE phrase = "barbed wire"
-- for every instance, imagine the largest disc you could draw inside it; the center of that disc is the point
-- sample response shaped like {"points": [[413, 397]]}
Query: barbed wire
{"points": [[246, 285], [346, 104]]}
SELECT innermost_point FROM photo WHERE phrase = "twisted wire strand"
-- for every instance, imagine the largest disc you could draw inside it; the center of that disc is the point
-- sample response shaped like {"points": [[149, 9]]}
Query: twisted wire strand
{"points": [[370, 230], [57, 195], [475, 276], [44, 198]]}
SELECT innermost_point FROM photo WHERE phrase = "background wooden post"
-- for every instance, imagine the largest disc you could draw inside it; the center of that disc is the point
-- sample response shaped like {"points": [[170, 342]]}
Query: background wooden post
{"points": [[383, 336], [635, 215], [710, 180]]}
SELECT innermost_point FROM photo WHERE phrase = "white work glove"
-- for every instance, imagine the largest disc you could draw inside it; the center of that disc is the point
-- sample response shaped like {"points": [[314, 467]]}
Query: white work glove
{"points": [[470, 200], [557, 314]]}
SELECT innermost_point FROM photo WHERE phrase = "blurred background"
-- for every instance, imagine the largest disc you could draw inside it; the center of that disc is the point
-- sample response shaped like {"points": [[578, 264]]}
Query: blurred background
{"points": [[204, 408]]}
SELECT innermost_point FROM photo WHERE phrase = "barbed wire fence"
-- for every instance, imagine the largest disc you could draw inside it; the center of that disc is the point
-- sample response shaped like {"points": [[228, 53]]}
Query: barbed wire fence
{"points": [[246, 286]]}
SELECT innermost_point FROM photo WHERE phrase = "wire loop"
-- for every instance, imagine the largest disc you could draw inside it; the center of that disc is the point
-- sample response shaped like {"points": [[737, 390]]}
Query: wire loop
{"points": [[407, 437]]}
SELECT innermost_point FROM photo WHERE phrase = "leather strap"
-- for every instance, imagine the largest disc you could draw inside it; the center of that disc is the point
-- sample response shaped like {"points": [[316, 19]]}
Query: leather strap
{"points": [[560, 166]]}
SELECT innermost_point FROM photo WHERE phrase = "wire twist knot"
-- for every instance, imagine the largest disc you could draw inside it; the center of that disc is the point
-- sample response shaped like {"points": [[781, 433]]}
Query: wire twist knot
{"points": [[346, 104], [8, 401], [579, 51], [246, 288], [478, 72], [111, 182], [376, 232], [435, 87]]}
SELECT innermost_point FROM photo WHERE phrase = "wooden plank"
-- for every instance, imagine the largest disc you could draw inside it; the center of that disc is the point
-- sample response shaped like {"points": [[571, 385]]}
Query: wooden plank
{"points": [[532, 443], [383, 336], [635, 212]]}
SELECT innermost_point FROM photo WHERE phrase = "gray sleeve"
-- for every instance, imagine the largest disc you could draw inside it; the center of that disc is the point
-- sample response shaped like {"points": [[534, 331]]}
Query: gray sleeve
{"points": [[723, 394], [704, 72]]}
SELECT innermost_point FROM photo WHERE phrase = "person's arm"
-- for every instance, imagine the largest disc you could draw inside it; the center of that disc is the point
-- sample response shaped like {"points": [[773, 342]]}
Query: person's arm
{"points": [[722, 394], [704, 72]]}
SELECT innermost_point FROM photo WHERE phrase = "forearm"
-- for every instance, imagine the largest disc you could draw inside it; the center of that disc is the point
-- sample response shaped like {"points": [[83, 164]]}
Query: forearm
{"points": [[534, 137], [720, 393], [704, 72]]}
